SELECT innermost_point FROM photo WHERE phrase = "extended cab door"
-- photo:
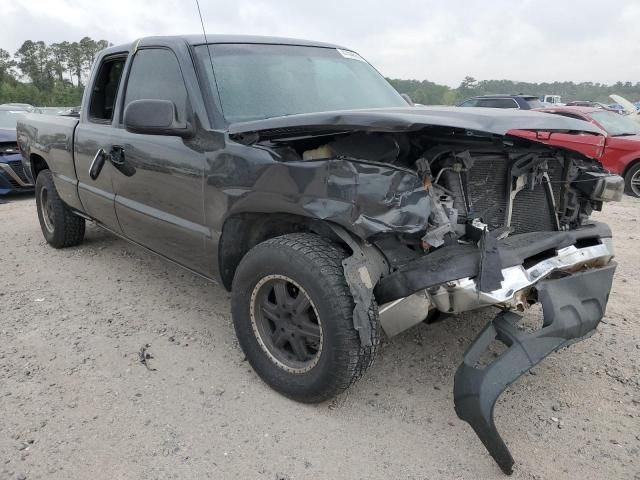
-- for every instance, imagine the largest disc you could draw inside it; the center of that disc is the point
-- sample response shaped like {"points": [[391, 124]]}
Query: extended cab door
{"points": [[93, 140], [158, 180]]}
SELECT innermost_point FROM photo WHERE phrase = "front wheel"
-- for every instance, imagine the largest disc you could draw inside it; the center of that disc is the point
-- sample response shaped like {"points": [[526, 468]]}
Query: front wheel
{"points": [[293, 315], [60, 226], [632, 181]]}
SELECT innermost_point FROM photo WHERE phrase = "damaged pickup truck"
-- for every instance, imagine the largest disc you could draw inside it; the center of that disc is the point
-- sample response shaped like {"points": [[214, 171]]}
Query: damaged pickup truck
{"points": [[295, 175]]}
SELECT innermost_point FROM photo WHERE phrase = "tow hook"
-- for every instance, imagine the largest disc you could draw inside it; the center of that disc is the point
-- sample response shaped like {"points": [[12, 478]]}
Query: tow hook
{"points": [[572, 305]]}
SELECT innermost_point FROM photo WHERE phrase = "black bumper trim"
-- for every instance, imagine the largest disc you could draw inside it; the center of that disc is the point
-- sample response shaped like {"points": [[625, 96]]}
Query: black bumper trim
{"points": [[460, 261], [573, 307]]}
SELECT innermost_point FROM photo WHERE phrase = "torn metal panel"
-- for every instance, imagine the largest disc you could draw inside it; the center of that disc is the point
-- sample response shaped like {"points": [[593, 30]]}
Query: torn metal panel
{"points": [[572, 305], [366, 199], [462, 261], [362, 271]]}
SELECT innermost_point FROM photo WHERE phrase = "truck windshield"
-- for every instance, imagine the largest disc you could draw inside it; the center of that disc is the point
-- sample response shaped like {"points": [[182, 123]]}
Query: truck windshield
{"points": [[257, 81]]}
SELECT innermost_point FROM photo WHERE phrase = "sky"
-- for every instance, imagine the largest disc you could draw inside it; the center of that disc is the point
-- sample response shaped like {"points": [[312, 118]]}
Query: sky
{"points": [[438, 40]]}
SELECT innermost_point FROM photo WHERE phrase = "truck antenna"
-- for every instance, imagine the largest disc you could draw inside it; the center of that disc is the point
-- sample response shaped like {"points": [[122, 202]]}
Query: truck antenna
{"points": [[204, 32], [213, 73]]}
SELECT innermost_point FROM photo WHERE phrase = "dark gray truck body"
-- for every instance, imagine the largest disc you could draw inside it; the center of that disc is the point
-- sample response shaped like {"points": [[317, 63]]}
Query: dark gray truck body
{"points": [[379, 181]]}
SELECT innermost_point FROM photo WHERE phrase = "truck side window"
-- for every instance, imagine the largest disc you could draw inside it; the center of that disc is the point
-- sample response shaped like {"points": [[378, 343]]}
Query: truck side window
{"points": [[156, 75], [105, 90]]}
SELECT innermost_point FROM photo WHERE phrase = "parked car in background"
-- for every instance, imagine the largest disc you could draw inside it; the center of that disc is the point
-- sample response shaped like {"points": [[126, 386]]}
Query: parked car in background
{"points": [[621, 152], [551, 100], [12, 175], [521, 102], [588, 103], [55, 110], [629, 109], [23, 107]]}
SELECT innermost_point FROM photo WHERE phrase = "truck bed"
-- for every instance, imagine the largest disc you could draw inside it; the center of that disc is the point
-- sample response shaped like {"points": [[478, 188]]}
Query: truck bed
{"points": [[50, 138]]}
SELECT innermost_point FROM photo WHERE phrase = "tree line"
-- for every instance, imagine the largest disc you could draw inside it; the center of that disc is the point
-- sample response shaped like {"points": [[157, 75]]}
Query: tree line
{"points": [[47, 75], [55, 75], [429, 93]]}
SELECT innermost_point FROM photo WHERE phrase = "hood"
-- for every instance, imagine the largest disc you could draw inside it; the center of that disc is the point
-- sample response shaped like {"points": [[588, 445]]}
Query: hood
{"points": [[8, 135], [487, 120], [629, 108], [631, 142]]}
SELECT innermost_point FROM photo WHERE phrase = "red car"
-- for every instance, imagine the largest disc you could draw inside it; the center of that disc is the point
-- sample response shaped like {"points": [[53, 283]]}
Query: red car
{"points": [[621, 153]]}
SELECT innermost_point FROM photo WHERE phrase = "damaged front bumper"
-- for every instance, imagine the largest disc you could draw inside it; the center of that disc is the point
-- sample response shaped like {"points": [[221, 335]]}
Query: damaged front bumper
{"points": [[573, 305], [448, 280], [464, 294], [568, 273]]}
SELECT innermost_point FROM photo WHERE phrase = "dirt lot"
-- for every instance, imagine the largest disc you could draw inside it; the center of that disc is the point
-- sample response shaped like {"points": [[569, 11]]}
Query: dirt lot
{"points": [[77, 403]]}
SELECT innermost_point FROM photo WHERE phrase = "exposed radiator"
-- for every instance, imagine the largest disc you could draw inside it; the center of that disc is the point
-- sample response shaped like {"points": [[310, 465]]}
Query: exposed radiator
{"points": [[488, 190]]}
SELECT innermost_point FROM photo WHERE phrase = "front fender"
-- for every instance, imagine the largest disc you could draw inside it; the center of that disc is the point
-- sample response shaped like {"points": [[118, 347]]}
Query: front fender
{"points": [[364, 198]]}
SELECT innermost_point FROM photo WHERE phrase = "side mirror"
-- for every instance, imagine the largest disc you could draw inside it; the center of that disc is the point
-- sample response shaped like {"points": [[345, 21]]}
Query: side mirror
{"points": [[156, 117], [407, 98]]}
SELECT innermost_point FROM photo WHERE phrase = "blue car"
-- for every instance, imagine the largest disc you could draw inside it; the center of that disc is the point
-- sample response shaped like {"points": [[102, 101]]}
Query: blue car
{"points": [[13, 178]]}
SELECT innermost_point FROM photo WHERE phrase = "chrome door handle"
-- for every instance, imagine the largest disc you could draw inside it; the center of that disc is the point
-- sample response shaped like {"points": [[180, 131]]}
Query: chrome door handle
{"points": [[97, 163]]}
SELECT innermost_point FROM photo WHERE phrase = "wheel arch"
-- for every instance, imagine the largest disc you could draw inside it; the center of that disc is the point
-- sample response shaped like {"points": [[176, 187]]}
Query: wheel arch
{"points": [[243, 231], [38, 164], [629, 166]]}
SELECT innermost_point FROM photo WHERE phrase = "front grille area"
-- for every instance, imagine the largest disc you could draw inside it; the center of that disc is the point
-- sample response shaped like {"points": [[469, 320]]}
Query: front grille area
{"points": [[8, 148], [488, 186], [9, 179], [18, 169]]}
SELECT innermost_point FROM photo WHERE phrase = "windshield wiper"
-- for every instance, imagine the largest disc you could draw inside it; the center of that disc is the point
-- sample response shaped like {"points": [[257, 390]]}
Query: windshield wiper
{"points": [[626, 134]]}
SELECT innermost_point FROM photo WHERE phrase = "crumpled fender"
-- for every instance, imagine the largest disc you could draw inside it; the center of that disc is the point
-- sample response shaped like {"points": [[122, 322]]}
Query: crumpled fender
{"points": [[572, 306], [364, 198]]}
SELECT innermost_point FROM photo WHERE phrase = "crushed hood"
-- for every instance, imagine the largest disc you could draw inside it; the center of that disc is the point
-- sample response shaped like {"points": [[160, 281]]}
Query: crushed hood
{"points": [[487, 120]]}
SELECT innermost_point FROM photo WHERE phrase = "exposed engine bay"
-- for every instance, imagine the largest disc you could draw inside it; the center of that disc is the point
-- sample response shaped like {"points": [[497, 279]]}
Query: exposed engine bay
{"points": [[505, 185]]}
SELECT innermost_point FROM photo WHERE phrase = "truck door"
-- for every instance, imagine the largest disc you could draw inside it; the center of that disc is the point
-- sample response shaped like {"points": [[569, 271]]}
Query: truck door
{"points": [[93, 139], [158, 180]]}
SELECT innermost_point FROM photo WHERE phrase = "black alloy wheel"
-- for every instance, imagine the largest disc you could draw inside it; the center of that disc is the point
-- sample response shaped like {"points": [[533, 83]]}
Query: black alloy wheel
{"points": [[285, 322]]}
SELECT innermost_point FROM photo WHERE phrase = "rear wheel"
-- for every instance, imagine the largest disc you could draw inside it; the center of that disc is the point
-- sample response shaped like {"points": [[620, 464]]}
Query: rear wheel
{"points": [[632, 180], [293, 315], [60, 226]]}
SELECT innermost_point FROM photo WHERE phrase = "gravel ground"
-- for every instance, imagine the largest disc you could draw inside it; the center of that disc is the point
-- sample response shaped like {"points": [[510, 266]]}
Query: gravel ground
{"points": [[77, 403]]}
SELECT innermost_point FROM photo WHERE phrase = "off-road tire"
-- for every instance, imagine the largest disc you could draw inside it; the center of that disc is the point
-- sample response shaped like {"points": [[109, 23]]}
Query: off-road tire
{"points": [[634, 171], [315, 264], [61, 228]]}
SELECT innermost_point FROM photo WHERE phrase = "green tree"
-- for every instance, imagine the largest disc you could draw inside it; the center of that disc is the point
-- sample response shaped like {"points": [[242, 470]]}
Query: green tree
{"points": [[34, 60], [76, 61], [60, 56], [6, 65]]}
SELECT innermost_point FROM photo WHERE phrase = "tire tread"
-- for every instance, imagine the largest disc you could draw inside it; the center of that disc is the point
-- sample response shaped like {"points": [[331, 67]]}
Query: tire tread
{"points": [[327, 258], [69, 228]]}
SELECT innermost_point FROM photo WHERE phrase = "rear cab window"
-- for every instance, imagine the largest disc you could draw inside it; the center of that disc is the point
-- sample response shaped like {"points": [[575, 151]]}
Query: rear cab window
{"points": [[105, 87]]}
